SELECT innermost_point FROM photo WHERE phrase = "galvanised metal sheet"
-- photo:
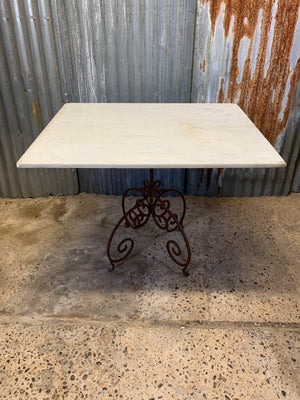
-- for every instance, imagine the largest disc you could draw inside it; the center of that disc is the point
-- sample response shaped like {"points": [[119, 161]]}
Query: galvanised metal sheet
{"points": [[295, 185], [116, 181], [249, 53], [296, 178], [57, 51], [31, 92], [131, 51]]}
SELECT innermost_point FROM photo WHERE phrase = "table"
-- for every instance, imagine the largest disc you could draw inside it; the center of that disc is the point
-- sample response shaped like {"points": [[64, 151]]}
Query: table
{"points": [[176, 135]]}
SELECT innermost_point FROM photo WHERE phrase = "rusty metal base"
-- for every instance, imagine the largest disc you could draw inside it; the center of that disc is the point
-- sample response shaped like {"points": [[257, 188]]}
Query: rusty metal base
{"points": [[152, 204]]}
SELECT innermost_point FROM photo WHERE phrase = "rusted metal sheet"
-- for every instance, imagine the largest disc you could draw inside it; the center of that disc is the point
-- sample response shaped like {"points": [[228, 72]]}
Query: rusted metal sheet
{"points": [[248, 53]]}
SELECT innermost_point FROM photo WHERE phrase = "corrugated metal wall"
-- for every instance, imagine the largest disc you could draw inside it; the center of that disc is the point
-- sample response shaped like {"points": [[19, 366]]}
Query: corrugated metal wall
{"points": [[32, 90], [56, 51], [139, 51], [249, 53]]}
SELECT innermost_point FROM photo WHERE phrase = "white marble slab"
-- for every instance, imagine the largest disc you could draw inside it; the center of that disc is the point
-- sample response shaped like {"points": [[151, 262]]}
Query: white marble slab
{"points": [[109, 135]]}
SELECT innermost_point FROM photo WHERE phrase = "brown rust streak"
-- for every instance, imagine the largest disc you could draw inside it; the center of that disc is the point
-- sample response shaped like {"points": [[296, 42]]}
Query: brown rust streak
{"points": [[260, 95], [202, 65], [214, 10], [209, 172], [221, 94], [37, 113], [295, 77], [279, 70]]}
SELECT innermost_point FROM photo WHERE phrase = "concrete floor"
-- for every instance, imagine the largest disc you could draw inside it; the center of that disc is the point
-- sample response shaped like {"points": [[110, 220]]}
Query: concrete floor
{"points": [[72, 330]]}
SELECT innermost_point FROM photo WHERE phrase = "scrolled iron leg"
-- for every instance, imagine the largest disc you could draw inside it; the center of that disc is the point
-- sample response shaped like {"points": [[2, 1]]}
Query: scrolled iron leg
{"points": [[168, 221], [125, 246], [152, 204], [135, 217], [176, 251]]}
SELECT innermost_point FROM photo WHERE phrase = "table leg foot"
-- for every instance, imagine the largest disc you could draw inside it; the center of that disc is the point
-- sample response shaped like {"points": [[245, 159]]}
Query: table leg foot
{"points": [[111, 268]]}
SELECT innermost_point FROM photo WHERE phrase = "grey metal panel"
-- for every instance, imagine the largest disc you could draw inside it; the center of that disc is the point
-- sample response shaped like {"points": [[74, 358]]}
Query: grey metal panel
{"points": [[30, 94], [249, 54], [131, 51], [127, 51], [295, 142], [295, 187], [116, 181]]}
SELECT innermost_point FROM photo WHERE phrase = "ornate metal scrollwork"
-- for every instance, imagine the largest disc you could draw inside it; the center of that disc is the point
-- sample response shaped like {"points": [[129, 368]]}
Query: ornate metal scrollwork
{"points": [[124, 248], [151, 203]]}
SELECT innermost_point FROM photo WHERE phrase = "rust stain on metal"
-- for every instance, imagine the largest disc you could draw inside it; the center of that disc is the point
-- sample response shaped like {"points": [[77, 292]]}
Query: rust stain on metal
{"points": [[261, 94], [209, 172], [202, 66], [221, 94], [294, 78], [37, 113], [220, 170]]}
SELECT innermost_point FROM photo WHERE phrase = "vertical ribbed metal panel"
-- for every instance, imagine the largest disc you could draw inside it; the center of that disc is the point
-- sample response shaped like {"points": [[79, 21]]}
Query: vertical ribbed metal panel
{"points": [[295, 187], [131, 51], [248, 53], [295, 139], [31, 92], [127, 51]]}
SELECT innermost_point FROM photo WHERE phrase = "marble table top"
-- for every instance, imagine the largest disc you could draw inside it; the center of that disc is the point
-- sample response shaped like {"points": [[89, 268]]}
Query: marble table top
{"points": [[176, 135]]}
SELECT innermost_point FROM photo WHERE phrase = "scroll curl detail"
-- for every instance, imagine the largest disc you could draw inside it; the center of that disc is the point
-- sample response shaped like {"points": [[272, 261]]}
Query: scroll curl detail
{"points": [[171, 224], [163, 217], [174, 251], [164, 192], [138, 215], [124, 248]]}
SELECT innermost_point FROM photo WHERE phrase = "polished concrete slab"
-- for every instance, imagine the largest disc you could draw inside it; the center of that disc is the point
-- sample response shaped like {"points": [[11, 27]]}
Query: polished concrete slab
{"points": [[70, 329]]}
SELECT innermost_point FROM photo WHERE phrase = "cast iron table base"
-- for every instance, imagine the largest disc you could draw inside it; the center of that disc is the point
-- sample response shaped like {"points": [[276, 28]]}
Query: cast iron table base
{"points": [[152, 204]]}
